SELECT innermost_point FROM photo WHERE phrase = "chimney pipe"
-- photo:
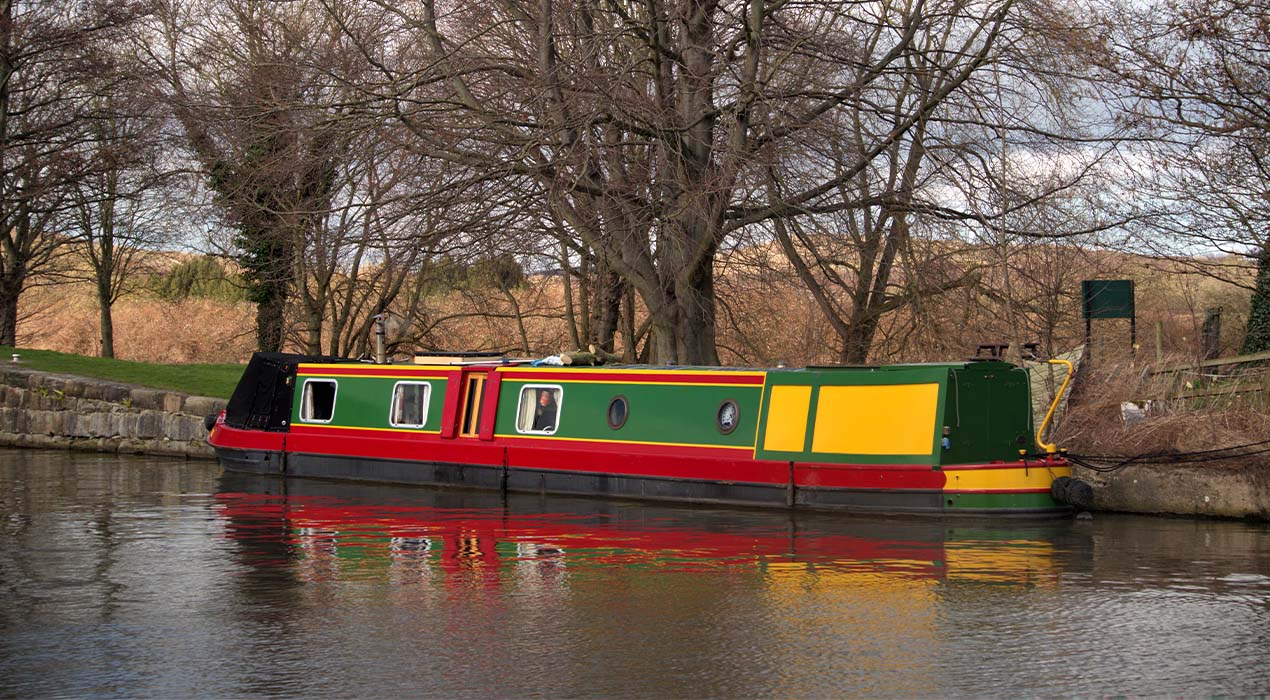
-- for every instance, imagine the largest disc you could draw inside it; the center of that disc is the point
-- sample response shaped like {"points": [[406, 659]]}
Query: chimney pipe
{"points": [[381, 355]]}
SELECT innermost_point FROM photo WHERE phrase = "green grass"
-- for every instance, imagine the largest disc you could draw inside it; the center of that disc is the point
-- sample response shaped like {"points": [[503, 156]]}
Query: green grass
{"points": [[201, 380]]}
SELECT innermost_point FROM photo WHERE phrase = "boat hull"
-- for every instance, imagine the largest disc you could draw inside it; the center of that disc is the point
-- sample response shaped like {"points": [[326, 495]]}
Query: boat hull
{"points": [[930, 501]]}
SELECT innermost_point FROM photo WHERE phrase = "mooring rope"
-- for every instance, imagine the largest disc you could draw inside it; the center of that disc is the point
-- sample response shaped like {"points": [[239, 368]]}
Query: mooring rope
{"points": [[1195, 457]]}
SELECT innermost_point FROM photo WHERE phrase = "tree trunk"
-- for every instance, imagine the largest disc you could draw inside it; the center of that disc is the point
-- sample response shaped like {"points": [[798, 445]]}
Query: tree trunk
{"points": [[270, 323], [12, 281], [313, 323], [268, 269], [566, 276], [107, 322], [696, 315], [520, 317], [9, 315], [683, 318], [628, 326], [609, 290]]}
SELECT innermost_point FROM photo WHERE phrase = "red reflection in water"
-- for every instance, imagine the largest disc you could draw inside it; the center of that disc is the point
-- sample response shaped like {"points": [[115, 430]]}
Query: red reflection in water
{"points": [[332, 536]]}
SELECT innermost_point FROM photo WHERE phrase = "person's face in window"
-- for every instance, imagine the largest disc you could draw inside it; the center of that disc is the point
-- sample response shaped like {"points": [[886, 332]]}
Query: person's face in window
{"points": [[544, 398]]}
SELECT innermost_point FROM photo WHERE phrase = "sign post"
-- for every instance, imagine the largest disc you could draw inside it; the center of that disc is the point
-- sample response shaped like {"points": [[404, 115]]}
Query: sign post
{"points": [[1108, 299]]}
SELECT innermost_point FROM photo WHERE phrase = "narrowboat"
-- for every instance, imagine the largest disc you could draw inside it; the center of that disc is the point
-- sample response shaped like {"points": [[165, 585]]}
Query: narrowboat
{"points": [[946, 438]]}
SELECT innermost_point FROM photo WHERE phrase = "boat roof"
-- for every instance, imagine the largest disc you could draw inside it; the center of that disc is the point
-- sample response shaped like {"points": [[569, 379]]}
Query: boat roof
{"points": [[479, 361]]}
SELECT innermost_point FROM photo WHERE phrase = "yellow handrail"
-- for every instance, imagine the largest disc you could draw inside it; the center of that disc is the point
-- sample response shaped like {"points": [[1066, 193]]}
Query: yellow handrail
{"points": [[1051, 448]]}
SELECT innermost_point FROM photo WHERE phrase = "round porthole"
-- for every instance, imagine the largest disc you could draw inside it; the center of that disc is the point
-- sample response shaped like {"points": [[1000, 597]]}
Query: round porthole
{"points": [[727, 417], [618, 411]]}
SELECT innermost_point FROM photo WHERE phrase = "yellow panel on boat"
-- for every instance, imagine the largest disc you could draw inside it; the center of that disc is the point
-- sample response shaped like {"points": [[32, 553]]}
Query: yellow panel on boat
{"points": [[1003, 479], [892, 419], [787, 418]]}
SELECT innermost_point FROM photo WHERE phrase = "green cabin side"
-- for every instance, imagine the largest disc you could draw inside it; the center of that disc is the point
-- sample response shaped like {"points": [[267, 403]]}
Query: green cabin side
{"points": [[655, 413], [366, 402]]}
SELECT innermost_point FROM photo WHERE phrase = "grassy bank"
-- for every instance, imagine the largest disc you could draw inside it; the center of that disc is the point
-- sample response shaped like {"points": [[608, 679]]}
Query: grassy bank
{"points": [[198, 379]]}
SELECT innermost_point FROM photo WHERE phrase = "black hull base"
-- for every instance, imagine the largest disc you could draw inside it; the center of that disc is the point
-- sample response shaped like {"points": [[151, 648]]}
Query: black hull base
{"points": [[519, 480]]}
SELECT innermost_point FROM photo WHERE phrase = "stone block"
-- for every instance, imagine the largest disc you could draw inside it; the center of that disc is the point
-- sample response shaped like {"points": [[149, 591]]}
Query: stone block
{"points": [[149, 425], [106, 391], [203, 405], [47, 442], [47, 422], [75, 386], [15, 397], [146, 399], [43, 410], [21, 420], [183, 428], [173, 401], [171, 448], [88, 389], [39, 400], [98, 424], [125, 424], [53, 382]]}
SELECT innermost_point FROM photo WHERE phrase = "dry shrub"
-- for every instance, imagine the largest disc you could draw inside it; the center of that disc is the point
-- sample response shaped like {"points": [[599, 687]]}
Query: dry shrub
{"points": [[190, 330]]}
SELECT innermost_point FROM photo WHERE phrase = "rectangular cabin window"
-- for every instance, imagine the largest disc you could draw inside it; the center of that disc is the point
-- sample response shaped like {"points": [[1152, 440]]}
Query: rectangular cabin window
{"points": [[472, 405], [317, 400], [409, 404], [538, 410]]}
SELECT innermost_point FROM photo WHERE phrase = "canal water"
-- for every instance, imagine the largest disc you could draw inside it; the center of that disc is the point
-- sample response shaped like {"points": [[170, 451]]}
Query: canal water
{"points": [[136, 577]]}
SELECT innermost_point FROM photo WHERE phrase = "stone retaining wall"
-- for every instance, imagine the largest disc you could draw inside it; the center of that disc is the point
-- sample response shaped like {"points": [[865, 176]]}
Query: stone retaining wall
{"points": [[39, 409], [1183, 489]]}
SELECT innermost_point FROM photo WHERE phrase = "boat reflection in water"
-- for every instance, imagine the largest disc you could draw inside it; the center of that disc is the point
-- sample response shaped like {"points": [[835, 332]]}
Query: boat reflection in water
{"points": [[323, 531]]}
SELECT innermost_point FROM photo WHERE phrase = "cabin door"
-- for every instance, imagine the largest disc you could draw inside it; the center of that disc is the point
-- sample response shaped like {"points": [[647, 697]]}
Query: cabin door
{"points": [[472, 401]]}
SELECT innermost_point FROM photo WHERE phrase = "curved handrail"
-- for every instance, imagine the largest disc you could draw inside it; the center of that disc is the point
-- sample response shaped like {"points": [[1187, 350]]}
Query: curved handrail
{"points": [[1051, 448]]}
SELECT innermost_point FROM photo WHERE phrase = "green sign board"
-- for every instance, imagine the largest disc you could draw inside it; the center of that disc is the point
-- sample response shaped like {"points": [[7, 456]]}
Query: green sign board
{"points": [[1107, 298]]}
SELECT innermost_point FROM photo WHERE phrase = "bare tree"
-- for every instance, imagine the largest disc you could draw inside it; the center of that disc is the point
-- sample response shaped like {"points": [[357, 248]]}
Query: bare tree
{"points": [[250, 84], [46, 48], [647, 127], [117, 209], [1197, 77]]}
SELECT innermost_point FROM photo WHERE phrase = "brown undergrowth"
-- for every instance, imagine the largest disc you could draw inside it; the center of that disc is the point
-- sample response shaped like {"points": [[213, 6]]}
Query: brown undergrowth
{"points": [[146, 329], [1120, 411]]}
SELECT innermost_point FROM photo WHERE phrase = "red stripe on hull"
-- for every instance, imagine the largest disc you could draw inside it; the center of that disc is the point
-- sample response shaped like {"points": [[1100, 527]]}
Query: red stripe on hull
{"points": [[224, 436], [868, 476], [389, 445], [663, 461]]}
